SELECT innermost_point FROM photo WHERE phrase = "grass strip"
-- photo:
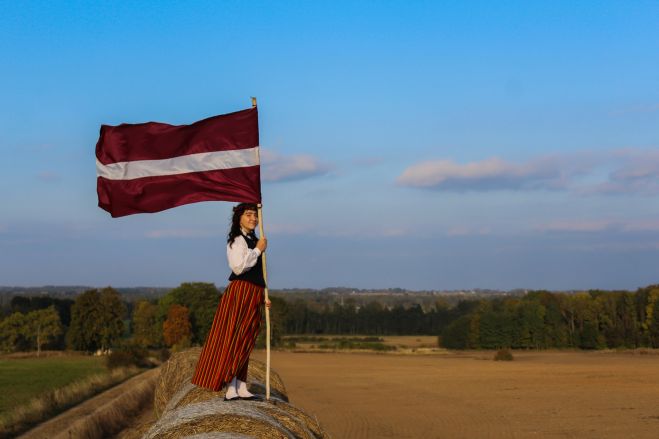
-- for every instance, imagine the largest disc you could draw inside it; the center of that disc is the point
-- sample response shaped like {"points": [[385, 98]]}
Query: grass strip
{"points": [[22, 379], [55, 401]]}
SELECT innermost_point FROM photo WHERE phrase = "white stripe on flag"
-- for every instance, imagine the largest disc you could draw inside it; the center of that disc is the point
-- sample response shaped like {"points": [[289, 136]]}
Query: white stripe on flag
{"points": [[204, 161]]}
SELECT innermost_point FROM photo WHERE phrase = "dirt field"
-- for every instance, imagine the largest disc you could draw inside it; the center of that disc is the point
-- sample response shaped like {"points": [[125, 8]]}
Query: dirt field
{"points": [[467, 395]]}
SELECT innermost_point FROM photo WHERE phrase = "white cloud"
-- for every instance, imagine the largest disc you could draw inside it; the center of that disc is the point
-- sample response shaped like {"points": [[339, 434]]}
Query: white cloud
{"points": [[620, 171], [277, 167], [636, 172], [489, 174]]}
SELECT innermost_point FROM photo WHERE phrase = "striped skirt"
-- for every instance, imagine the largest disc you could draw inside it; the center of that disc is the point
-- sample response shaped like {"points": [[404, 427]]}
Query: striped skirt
{"points": [[232, 336]]}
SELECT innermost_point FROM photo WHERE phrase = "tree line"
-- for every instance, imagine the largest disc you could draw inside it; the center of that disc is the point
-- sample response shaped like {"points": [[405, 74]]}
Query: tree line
{"points": [[540, 320], [98, 320], [101, 320]]}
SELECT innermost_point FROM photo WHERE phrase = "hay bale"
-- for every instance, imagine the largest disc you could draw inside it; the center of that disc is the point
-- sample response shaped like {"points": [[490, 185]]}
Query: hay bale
{"points": [[189, 394], [216, 416], [177, 372], [256, 374], [173, 374], [219, 436], [311, 423], [292, 418], [188, 411]]}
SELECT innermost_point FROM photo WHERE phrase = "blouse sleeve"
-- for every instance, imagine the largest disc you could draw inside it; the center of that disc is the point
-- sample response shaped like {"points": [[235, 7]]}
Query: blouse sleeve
{"points": [[241, 257]]}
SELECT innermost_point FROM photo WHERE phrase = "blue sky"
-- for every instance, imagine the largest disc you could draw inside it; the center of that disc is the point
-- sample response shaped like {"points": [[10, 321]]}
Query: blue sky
{"points": [[422, 145]]}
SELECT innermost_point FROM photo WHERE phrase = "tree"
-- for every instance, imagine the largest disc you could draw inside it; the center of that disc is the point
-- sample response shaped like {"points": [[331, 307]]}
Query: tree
{"points": [[456, 333], [113, 317], [12, 333], [278, 313], [25, 304], [177, 329], [96, 320], [200, 299], [651, 323], [147, 331], [531, 324], [43, 326]]}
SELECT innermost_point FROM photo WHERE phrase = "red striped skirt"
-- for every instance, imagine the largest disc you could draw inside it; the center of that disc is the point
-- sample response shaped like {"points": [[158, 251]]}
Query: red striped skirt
{"points": [[232, 336]]}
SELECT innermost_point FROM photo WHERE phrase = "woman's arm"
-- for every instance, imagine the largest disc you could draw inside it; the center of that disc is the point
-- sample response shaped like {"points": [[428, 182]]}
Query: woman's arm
{"points": [[241, 257]]}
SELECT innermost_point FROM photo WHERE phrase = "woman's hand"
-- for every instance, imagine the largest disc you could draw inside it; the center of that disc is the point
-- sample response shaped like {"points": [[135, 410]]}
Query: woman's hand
{"points": [[268, 304], [262, 244]]}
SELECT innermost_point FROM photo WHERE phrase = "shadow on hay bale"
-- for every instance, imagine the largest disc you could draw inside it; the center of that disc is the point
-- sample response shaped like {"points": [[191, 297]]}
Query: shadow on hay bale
{"points": [[187, 411]]}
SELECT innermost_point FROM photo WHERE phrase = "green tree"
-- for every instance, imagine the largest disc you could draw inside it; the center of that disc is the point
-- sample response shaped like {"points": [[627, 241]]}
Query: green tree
{"points": [[651, 323], [456, 333], [147, 330], [12, 333], [530, 321], [587, 322], [96, 320], [42, 326], [278, 313]]}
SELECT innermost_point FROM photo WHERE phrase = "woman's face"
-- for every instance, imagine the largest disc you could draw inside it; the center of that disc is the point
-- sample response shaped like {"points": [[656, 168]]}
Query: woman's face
{"points": [[249, 220]]}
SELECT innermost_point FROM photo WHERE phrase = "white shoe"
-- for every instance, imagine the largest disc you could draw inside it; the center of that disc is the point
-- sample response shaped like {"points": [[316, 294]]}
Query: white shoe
{"points": [[243, 393], [231, 392]]}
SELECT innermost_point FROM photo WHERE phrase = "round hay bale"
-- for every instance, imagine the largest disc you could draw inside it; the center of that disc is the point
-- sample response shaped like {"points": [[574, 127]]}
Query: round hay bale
{"points": [[190, 394], [259, 389], [216, 416], [173, 374], [219, 436], [293, 418], [300, 415], [256, 374], [177, 372], [188, 411]]}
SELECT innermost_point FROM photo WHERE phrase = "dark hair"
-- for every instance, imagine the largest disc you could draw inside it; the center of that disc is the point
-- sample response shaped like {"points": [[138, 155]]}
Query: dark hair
{"points": [[238, 211]]}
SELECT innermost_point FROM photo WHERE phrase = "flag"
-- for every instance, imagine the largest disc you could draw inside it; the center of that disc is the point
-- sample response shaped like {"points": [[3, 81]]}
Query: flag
{"points": [[149, 167]]}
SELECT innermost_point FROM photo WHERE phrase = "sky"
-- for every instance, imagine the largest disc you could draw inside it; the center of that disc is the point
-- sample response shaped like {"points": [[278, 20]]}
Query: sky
{"points": [[427, 145]]}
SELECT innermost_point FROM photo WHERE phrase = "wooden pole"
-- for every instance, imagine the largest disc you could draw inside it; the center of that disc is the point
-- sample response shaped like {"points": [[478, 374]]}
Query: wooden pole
{"points": [[267, 310]]}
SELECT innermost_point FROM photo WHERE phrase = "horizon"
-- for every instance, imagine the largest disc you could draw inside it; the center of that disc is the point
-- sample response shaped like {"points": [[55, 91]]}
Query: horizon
{"points": [[405, 290], [404, 145]]}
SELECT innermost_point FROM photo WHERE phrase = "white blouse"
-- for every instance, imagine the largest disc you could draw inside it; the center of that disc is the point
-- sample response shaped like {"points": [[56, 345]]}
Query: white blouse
{"points": [[241, 257]]}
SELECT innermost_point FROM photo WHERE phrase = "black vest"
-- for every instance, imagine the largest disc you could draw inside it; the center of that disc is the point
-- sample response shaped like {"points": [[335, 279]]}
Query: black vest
{"points": [[254, 274]]}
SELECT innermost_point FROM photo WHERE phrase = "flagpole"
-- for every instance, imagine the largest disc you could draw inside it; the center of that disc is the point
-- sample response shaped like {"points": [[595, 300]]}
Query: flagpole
{"points": [[265, 278]]}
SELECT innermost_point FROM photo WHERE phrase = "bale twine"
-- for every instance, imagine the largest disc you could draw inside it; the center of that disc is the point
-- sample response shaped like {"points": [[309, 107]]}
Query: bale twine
{"points": [[178, 371]]}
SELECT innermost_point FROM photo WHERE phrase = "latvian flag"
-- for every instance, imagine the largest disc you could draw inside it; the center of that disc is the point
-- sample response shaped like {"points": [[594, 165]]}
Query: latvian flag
{"points": [[150, 167]]}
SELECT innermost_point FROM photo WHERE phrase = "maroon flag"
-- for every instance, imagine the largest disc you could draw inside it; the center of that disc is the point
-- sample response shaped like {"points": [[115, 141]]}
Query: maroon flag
{"points": [[152, 166]]}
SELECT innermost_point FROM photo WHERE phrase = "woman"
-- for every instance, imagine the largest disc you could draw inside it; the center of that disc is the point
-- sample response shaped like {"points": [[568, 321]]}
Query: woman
{"points": [[225, 355]]}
